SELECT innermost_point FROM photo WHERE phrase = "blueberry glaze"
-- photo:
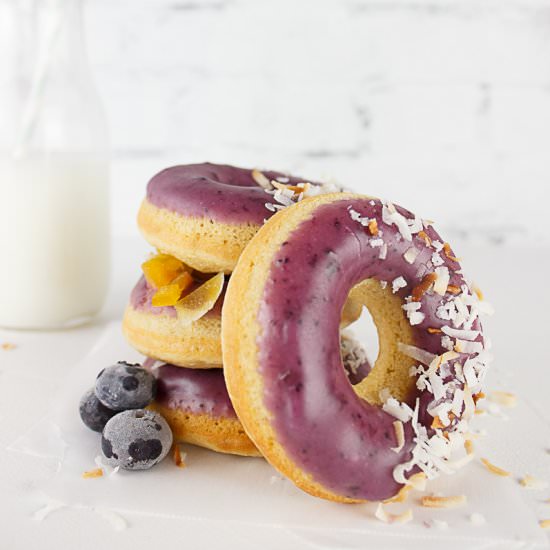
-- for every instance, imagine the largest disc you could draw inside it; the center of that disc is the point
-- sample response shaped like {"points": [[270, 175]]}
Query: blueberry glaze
{"points": [[341, 440]]}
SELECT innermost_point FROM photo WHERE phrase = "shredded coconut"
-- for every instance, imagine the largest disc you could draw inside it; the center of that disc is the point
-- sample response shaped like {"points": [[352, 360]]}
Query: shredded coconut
{"points": [[397, 283], [411, 254], [477, 519]]}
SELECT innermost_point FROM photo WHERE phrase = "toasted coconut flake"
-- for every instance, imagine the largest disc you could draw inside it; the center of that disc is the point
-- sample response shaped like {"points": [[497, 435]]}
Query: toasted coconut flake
{"points": [[454, 501], [401, 496], [423, 287], [96, 472], [383, 516], [432, 330], [179, 459], [469, 446], [424, 236], [373, 227], [495, 469], [477, 292], [199, 302], [544, 523], [437, 424], [399, 435], [8, 346], [262, 180], [504, 398], [452, 289], [478, 396], [447, 250], [417, 481], [405, 517], [530, 482]]}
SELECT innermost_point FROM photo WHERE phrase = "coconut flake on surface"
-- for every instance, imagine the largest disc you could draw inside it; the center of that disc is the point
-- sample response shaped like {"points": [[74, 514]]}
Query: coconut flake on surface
{"points": [[504, 398], [383, 252], [454, 501], [385, 517], [115, 520], [477, 519], [49, 508], [397, 283], [531, 482], [436, 524], [383, 284]]}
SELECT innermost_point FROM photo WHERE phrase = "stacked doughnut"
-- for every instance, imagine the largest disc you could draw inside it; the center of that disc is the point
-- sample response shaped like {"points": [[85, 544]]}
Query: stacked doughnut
{"points": [[200, 218], [255, 276]]}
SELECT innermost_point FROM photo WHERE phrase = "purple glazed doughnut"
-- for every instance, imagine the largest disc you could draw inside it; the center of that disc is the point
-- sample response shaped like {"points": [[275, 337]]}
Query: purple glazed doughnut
{"points": [[281, 349], [196, 405], [204, 214], [155, 331]]}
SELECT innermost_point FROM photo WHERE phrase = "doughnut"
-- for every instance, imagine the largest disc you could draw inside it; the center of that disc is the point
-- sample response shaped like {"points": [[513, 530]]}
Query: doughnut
{"points": [[281, 354], [155, 331], [196, 405], [204, 214]]}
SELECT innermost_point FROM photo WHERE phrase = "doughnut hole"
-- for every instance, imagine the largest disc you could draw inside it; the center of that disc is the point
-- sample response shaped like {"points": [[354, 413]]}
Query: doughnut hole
{"points": [[391, 368]]}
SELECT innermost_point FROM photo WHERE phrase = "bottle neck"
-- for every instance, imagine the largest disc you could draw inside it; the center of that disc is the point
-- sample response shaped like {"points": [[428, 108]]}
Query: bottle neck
{"points": [[60, 32]]}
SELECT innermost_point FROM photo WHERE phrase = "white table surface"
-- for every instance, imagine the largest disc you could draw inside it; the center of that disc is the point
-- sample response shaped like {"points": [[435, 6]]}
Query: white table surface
{"points": [[514, 281]]}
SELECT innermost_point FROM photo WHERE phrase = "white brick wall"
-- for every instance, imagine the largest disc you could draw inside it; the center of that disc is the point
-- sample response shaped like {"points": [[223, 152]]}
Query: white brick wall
{"points": [[441, 105]]}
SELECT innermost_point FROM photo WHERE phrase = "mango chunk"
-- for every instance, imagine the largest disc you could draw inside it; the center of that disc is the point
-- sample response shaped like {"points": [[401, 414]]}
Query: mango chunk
{"points": [[168, 295], [162, 269], [199, 302]]}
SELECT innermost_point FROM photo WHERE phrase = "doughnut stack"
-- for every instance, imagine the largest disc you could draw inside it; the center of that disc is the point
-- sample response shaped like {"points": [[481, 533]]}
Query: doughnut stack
{"points": [[199, 218], [255, 275]]}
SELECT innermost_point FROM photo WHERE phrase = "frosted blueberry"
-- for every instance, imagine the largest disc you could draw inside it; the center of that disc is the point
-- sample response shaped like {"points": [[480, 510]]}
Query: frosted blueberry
{"points": [[123, 386], [93, 413], [136, 439]]}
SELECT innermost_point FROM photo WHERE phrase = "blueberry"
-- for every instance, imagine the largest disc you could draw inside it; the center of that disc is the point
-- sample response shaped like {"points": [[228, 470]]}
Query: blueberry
{"points": [[123, 386], [136, 439], [93, 413]]}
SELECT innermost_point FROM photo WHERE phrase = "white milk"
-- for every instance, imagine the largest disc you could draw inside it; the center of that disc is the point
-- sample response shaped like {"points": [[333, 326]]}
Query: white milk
{"points": [[54, 239]]}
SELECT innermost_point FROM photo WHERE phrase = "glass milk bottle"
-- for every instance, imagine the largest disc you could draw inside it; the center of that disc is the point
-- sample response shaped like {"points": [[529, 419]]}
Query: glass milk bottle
{"points": [[54, 169]]}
